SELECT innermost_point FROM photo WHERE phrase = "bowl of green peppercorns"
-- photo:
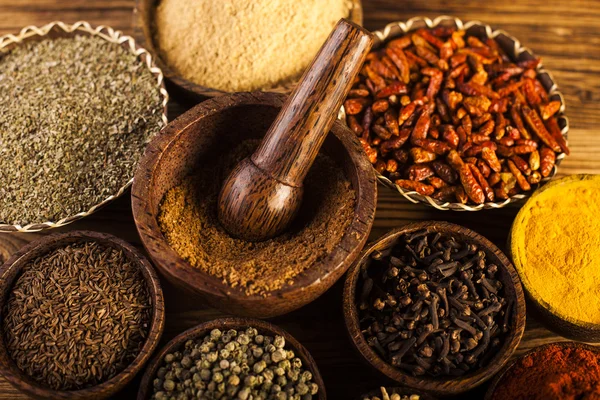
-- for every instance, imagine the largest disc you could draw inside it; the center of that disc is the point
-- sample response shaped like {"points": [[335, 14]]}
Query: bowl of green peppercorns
{"points": [[233, 358]]}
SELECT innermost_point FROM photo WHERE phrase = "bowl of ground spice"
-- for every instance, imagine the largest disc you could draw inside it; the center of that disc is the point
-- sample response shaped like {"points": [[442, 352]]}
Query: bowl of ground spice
{"points": [[233, 358], [555, 244], [208, 48], [81, 313], [435, 307], [556, 371], [457, 115], [175, 195], [79, 105]]}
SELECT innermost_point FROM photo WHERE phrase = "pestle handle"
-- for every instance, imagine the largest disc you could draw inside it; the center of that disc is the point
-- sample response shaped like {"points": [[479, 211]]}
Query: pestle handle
{"points": [[291, 145]]}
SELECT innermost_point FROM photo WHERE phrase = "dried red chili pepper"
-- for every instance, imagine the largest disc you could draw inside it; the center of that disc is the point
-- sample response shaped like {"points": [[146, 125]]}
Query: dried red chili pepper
{"points": [[452, 112]]}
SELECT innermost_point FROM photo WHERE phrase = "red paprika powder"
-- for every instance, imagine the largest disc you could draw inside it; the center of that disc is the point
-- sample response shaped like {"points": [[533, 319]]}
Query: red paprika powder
{"points": [[552, 373]]}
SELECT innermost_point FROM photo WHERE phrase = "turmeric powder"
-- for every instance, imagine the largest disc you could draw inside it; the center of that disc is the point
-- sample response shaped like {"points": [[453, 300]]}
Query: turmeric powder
{"points": [[555, 244]]}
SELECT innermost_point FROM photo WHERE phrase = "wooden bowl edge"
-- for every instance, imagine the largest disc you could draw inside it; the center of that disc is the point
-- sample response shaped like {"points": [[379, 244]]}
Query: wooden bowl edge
{"points": [[455, 386], [119, 381]]}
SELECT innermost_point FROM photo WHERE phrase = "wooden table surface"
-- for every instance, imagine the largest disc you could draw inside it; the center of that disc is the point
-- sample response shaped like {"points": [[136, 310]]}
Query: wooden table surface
{"points": [[565, 34]]}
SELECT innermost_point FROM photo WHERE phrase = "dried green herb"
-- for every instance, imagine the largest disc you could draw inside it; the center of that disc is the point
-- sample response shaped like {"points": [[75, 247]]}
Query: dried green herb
{"points": [[77, 316], [234, 365], [76, 115]]}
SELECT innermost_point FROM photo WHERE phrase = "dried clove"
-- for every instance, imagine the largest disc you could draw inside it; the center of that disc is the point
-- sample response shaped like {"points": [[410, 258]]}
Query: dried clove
{"points": [[433, 305]]}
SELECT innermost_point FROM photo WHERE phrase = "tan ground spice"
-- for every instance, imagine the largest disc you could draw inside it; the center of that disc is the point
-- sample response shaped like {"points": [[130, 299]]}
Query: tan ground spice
{"points": [[188, 219], [241, 45]]}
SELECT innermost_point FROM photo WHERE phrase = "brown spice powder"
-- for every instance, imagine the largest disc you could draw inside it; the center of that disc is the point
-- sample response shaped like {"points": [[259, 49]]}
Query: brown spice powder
{"points": [[188, 219]]}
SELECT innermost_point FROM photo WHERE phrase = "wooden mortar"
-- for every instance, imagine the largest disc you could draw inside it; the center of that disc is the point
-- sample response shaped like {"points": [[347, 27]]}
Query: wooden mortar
{"points": [[202, 134]]}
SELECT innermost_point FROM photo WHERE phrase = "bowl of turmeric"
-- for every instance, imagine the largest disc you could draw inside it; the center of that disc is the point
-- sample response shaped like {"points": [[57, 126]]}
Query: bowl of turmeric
{"points": [[555, 246]]}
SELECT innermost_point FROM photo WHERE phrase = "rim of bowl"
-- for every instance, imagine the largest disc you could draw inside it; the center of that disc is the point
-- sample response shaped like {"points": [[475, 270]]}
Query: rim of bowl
{"points": [[225, 324], [357, 231], [110, 35], [356, 16], [27, 385], [494, 384], [460, 384], [403, 391], [517, 261], [518, 51]]}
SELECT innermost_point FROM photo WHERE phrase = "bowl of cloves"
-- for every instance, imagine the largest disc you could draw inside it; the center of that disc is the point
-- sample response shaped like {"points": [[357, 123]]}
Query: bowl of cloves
{"points": [[435, 307]]}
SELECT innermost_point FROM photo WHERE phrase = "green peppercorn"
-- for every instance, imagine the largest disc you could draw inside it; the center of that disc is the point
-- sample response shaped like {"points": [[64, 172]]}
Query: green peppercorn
{"points": [[243, 339], [279, 342], [233, 365], [205, 374], [244, 393], [169, 385], [281, 396], [259, 367], [270, 348], [217, 377], [278, 355], [215, 334], [250, 380], [212, 356]]}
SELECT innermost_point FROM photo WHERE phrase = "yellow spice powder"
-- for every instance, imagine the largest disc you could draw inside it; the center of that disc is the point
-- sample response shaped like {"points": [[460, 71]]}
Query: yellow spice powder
{"points": [[556, 245], [241, 45]]}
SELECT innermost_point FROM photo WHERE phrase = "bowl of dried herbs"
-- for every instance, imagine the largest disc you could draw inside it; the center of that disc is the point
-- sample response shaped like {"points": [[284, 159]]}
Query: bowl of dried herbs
{"points": [[80, 314], [79, 105]]}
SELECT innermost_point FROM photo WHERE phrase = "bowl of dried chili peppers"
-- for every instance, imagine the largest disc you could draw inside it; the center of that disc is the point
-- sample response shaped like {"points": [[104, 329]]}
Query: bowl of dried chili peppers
{"points": [[457, 115]]}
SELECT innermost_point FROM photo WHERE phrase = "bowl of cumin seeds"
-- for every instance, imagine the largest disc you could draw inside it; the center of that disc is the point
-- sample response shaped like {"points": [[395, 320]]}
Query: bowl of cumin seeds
{"points": [[79, 104], [80, 314]]}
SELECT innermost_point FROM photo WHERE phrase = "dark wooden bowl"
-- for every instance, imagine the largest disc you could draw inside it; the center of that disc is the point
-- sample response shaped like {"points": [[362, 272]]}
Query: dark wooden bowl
{"points": [[143, 28], [512, 286], [203, 133], [11, 271], [500, 376], [399, 390], [564, 325], [230, 323]]}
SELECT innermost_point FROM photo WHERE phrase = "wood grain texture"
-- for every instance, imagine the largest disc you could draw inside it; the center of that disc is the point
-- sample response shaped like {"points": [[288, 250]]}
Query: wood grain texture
{"points": [[199, 138], [564, 34], [263, 193], [513, 293], [10, 271], [198, 332]]}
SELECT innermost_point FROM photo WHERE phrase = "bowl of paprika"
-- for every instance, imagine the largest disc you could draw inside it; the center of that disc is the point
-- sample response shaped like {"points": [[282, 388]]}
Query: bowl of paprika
{"points": [[554, 371]]}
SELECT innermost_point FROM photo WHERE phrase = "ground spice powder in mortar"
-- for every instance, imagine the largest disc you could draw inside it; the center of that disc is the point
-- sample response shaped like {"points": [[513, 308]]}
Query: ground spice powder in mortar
{"points": [[553, 373], [188, 219], [556, 246]]}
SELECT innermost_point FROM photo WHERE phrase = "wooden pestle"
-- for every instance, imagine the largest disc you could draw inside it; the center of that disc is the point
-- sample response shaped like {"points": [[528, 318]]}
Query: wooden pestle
{"points": [[263, 193]]}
